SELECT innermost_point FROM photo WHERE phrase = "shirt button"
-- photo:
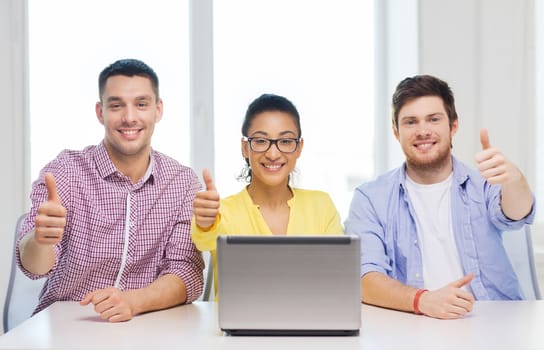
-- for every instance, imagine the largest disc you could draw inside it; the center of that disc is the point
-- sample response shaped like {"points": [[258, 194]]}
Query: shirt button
{"points": [[417, 274], [415, 242]]}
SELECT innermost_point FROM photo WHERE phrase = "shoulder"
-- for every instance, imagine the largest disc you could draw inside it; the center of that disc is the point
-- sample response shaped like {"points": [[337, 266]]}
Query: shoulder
{"points": [[168, 167], [70, 155], [310, 195], [71, 161], [382, 184], [237, 198]]}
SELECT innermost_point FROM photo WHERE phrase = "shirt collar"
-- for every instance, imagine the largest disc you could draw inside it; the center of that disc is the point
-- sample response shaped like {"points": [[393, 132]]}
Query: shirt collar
{"points": [[460, 173], [106, 167]]}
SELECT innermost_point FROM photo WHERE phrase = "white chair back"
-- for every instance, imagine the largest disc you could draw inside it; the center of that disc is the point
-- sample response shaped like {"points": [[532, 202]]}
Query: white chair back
{"points": [[519, 247], [22, 294]]}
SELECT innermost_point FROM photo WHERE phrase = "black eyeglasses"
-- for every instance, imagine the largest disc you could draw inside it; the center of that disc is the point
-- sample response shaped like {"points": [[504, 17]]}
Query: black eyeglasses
{"points": [[262, 144]]}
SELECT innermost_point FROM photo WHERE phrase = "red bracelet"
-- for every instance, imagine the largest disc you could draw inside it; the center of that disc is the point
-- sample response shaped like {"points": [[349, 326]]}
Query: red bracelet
{"points": [[416, 301]]}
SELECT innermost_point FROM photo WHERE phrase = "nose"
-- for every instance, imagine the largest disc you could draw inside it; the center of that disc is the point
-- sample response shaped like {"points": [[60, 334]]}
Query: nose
{"points": [[129, 116], [423, 131], [273, 152]]}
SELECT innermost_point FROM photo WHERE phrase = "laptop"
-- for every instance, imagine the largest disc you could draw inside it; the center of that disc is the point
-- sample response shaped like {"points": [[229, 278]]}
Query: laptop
{"points": [[289, 285]]}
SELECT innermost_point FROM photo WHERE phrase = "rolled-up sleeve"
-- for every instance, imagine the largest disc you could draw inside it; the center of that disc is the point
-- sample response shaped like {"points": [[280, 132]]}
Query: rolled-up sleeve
{"points": [[501, 221], [182, 258]]}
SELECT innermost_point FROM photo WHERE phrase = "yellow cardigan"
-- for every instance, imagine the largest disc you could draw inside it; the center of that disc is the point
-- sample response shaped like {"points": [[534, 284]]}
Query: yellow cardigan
{"points": [[311, 213]]}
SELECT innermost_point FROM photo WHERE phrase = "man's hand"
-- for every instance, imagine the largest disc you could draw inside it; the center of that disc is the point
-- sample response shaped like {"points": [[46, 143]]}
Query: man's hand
{"points": [[206, 204], [448, 302], [112, 304], [51, 218], [516, 195], [493, 165]]}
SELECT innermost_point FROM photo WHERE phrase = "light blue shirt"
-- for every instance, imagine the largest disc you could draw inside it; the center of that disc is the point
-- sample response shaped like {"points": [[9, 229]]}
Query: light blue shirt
{"points": [[382, 215]]}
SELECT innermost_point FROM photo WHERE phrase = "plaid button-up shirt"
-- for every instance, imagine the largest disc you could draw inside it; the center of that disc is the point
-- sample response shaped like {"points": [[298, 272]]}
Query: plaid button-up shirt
{"points": [[118, 233]]}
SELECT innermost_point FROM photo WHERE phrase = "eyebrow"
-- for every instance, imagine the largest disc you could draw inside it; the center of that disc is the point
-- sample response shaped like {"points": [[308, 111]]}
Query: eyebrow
{"points": [[264, 133], [425, 116], [113, 99], [138, 98]]}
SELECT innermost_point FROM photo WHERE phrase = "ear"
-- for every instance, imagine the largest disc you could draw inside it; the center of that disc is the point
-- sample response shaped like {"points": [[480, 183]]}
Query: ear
{"points": [[454, 127], [159, 111], [395, 132], [245, 148], [99, 112], [299, 147]]}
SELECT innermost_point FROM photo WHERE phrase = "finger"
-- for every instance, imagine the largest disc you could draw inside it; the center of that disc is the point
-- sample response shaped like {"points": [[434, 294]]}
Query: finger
{"points": [[49, 232], [464, 299], [118, 316], [51, 186], [207, 198], [206, 212], [495, 174], [207, 176], [50, 216], [484, 139], [463, 281], [87, 299], [100, 296]]}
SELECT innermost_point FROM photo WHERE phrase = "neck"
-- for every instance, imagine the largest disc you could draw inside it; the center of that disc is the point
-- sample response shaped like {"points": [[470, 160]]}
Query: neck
{"points": [[134, 167], [269, 196]]}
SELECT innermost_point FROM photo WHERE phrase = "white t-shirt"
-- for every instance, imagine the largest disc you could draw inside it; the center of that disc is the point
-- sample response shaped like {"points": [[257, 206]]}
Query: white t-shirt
{"points": [[432, 205]]}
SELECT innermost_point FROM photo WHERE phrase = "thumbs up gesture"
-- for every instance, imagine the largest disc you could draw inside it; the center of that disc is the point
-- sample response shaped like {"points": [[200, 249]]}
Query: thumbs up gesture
{"points": [[206, 204], [493, 165], [51, 218]]}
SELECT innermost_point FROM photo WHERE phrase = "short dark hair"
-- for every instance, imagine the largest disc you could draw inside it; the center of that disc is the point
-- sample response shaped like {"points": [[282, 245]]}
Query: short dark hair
{"points": [[267, 103], [128, 67], [420, 86]]}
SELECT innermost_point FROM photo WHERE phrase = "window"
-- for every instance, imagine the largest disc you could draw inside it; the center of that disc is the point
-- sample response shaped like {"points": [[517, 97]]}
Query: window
{"points": [[70, 42], [539, 43], [318, 54]]}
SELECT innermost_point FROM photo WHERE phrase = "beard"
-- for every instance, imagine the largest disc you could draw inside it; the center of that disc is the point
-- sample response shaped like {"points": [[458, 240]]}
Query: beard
{"points": [[433, 164]]}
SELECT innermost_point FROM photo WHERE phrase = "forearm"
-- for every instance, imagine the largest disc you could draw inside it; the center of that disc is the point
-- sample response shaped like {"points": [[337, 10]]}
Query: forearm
{"points": [[168, 290], [516, 199], [381, 290], [37, 258]]}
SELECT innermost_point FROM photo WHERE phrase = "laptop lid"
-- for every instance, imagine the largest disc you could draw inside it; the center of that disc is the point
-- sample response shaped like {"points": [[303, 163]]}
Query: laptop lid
{"points": [[289, 284]]}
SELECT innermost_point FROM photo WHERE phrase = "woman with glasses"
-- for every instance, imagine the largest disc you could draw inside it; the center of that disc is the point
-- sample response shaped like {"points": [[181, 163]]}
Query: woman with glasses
{"points": [[268, 205]]}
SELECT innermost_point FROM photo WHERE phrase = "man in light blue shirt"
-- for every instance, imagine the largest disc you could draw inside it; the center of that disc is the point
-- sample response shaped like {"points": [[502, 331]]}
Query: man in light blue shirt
{"points": [[431, 229]]}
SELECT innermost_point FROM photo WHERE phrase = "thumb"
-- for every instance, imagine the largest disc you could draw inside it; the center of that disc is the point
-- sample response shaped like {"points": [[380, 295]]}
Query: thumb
{"points": [[51, 186], [208, 181], [463, 281], [484, 139]]}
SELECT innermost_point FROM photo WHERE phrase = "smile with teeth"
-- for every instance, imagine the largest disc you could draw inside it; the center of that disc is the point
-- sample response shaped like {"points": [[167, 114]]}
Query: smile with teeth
{"points": [[130, 132], [272, 166], [424, 146]]}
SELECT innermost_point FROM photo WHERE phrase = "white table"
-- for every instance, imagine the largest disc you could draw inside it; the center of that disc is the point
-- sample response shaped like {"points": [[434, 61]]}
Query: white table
{"points": [[491, 325]]}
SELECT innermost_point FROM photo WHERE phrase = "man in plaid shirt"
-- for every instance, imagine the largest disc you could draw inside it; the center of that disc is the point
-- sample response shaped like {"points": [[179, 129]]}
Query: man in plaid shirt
{"points": [[110, 224]]}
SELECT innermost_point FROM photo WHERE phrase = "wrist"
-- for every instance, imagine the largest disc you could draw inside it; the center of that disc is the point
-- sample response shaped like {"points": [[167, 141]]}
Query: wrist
{"points": [[415, 303]]}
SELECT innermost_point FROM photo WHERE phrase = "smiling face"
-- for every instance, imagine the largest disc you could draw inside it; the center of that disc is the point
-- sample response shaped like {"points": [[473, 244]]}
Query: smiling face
{"points": [[425, 136], [271, 168], [128, 110]]}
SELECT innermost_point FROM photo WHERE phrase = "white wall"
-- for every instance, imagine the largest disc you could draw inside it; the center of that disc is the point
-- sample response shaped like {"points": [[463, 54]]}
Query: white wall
{"points": [[483, 48], [13, 139]]}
